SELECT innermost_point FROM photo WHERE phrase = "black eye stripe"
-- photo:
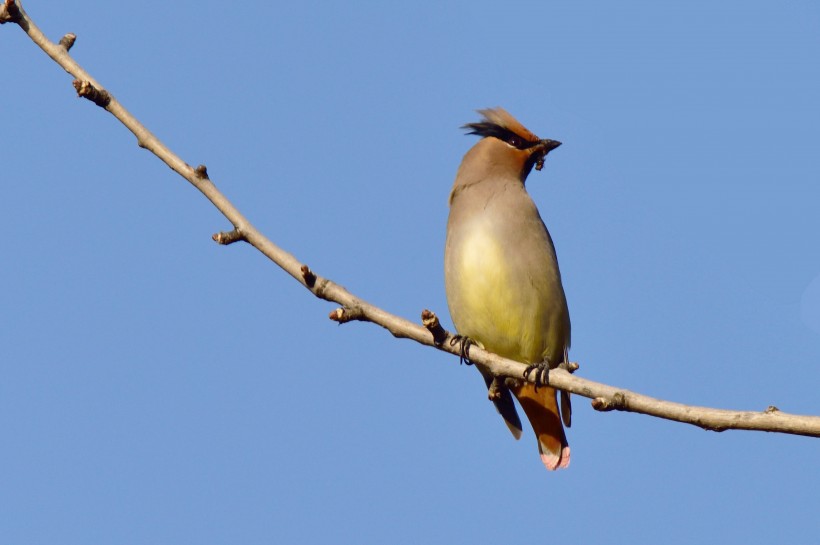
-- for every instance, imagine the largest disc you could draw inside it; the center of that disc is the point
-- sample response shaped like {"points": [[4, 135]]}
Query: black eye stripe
{"points": [[496, 131]]}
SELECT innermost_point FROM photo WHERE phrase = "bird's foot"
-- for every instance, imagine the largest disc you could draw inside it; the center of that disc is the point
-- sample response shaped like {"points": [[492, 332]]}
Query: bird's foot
{"points": [[542, 372], [464, 348]]}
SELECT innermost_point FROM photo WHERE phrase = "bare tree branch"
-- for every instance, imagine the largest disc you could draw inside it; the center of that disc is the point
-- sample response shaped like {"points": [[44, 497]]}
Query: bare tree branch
{"points": [[605, 398]]}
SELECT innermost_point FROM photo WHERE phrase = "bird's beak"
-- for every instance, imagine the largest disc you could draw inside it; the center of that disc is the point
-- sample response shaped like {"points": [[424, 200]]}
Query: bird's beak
{"points": [[543, 148], [549, 145]]}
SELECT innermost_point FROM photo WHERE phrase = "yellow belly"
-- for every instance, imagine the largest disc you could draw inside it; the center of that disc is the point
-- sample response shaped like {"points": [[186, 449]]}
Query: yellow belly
{"points": [[499, 305]]}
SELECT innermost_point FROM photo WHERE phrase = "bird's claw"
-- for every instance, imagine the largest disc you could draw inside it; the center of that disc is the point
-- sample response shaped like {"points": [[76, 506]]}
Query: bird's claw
{"points": [[464, 348], [542, 371]]}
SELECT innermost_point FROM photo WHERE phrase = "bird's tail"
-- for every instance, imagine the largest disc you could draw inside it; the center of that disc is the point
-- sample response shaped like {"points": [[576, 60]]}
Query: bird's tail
{"points": [[541, 408]]}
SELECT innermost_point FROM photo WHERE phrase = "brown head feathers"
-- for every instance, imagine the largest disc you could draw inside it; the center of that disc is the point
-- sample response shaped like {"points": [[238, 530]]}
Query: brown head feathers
{"points": [[498, 123]]}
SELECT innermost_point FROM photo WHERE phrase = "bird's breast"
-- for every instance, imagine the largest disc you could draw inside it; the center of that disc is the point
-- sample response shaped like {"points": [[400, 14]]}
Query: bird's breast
{"points": [[503, 289]]}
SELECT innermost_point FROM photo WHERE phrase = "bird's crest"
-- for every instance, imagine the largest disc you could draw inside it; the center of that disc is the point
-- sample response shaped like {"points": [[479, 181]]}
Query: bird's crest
{"points": [[499, 123]]}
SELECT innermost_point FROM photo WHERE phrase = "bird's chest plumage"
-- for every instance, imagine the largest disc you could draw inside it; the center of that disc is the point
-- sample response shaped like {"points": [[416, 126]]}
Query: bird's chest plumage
{"points": [[502, 280]]}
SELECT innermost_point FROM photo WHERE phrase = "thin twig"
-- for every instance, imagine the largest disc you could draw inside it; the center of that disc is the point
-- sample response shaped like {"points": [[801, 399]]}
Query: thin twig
{"points": [[605, 398]]}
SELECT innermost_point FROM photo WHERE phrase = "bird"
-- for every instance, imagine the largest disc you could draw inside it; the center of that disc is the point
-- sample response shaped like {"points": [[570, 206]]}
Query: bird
{"points": [[502, 280]]}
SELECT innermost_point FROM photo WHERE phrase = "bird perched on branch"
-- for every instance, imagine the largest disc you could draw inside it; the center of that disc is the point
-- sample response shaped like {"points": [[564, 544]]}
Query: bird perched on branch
{"points": [[502, 280]]}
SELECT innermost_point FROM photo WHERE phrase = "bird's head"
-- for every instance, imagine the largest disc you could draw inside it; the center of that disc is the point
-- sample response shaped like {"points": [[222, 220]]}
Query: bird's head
{"points": [[507, 144]]}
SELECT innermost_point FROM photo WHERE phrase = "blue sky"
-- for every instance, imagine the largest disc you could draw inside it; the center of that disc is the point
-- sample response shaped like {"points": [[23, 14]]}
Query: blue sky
{"points": [[158, 388]]}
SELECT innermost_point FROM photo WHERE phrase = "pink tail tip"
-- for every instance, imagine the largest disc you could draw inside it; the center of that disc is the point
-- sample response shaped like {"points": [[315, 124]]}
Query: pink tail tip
{"points": [[553, 461]]}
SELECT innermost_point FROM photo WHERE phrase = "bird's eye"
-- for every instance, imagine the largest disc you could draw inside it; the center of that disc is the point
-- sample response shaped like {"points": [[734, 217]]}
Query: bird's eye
{"points": [[514, 141]]}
